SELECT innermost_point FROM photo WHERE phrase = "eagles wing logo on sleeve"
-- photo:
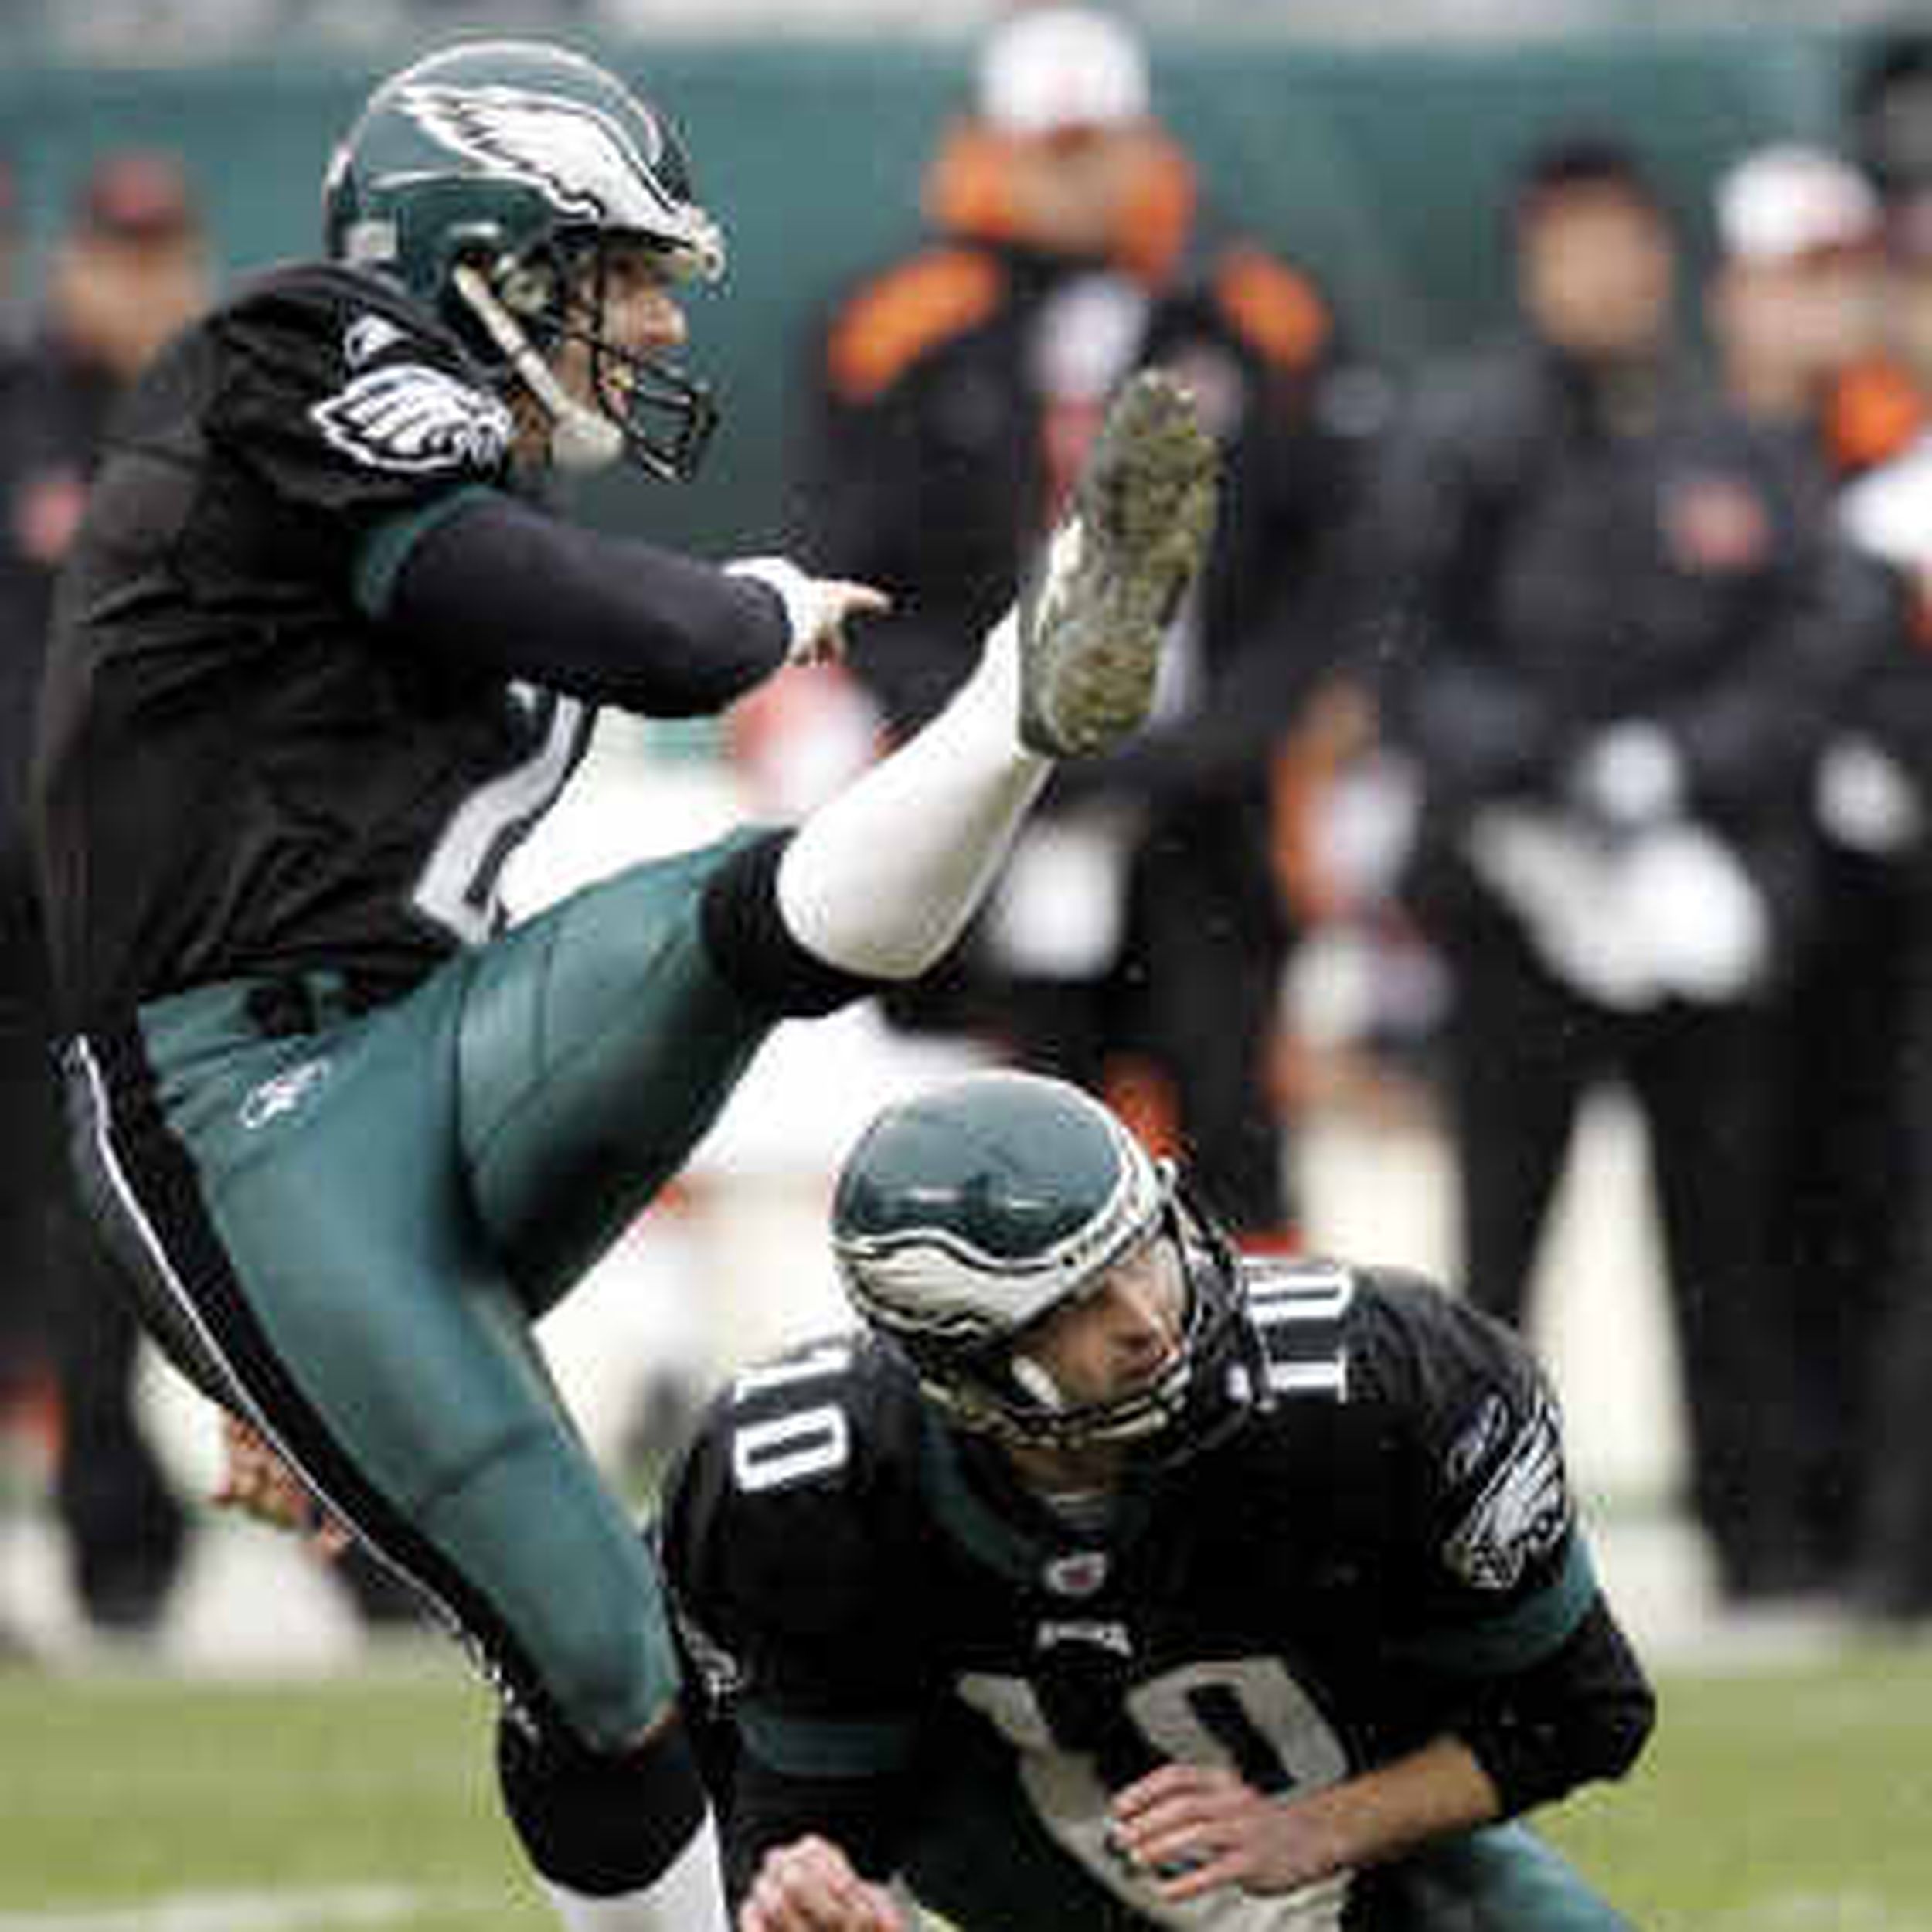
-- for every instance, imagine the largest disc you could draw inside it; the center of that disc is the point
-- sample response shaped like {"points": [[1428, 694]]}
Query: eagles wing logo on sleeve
{"points": [[1521, 1514], [411, 417]]}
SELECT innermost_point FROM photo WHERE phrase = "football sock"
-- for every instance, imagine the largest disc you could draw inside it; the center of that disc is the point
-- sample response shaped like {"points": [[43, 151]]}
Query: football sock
{"points": [[687, 1896], [881, 880], [622, 1841]]}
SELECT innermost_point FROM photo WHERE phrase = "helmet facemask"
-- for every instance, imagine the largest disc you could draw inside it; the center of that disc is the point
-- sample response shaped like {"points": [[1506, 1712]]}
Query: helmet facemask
{"points": [[641, 405]]}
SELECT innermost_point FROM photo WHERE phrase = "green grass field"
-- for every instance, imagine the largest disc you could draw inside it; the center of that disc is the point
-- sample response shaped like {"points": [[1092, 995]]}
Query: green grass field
{"points": [[1784, 1800]]}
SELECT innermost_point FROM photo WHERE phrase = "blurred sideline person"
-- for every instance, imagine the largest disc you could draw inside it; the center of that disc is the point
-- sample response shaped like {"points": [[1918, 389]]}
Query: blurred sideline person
{"points": [[130, 268], [1137, 943], [1882, 400], [1112, 1577], [1797, 292], [320, 658], [1623, 633], [29, 1420], [1884, 422], [1798, 308]]}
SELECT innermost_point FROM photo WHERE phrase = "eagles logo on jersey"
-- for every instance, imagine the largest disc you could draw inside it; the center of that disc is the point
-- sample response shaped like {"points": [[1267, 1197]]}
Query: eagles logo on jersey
{"points": [[411, 417], [312, 407], [1523, 1512]]}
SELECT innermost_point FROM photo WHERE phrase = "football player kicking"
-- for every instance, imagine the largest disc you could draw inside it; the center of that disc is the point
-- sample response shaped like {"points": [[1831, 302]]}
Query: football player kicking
{"points": [[321, 658], [1107, 1579]]}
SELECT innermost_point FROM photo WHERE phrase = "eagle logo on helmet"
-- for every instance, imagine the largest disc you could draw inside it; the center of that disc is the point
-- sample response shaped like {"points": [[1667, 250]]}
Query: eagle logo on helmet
{"points": [[577, 157], [933, 1278], [964, 1218]]}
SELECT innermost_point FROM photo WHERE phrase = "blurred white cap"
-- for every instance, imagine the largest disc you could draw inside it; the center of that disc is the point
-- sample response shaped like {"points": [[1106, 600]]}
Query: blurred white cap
{"points": [[1047, 68], [1787, 201]]}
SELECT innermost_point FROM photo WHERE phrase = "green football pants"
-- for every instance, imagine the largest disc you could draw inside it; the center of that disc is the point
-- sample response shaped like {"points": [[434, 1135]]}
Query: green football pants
{"points": [[345, 1223]]}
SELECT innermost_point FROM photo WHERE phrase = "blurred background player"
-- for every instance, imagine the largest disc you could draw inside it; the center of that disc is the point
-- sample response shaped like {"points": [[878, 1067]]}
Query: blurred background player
{"points": [[1137, 943], [131, 266], [1879, 439], [1624, 632], [1801, 317], [28, 1420]]}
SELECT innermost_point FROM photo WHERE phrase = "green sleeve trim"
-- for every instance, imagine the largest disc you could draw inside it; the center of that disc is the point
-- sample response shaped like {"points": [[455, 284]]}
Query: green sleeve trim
{"points": [[382, 553], [1524, 1636], [828, 1747]]}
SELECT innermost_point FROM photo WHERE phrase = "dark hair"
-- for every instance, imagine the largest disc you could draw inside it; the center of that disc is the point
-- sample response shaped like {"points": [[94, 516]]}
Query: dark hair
{"points": [[1888, 105], [1586, 161]]}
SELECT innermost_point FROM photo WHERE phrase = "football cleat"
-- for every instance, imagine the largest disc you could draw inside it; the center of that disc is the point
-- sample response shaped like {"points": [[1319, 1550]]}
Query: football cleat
{"points": [[1092, 620]]}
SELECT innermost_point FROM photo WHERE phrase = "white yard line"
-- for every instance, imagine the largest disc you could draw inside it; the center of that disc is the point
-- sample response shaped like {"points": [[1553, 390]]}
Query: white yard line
{"points": [[319, 1909], [1805, 1911]]}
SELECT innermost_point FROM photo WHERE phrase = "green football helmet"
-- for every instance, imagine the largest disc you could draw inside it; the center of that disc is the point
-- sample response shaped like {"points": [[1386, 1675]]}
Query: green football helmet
{"points": [[486, 180], [964, 1218]]}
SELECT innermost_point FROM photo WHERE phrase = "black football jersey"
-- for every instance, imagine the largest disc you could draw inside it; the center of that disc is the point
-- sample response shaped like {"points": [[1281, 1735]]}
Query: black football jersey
{"points": [[1329, 1587], [238, 770]]}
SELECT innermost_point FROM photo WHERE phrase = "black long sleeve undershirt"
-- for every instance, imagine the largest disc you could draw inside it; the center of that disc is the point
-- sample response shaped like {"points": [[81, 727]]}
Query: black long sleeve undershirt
{"points": [[1584, 1714], [611, 619]]}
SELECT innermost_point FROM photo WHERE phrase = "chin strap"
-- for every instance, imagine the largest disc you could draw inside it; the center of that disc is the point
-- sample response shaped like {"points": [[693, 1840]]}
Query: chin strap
{"points": [[581, 438]]}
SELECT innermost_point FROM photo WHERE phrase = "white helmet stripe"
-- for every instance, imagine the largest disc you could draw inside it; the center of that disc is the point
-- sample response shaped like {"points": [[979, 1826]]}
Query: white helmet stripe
{"points": [[577, 157], [932, 1280]]}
